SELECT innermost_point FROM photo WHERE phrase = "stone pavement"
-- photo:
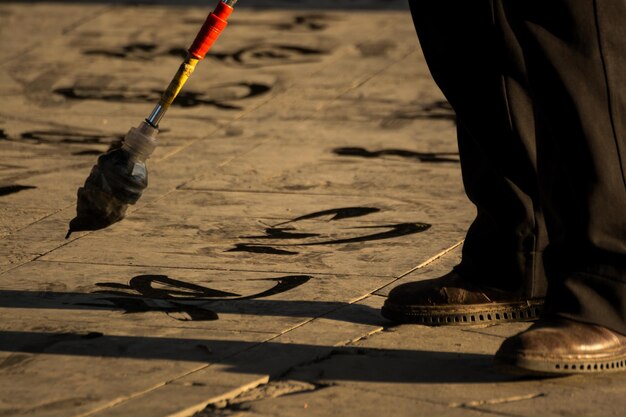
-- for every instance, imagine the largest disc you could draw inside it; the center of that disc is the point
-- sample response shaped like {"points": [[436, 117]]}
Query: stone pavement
{"points": [[309, 166]]}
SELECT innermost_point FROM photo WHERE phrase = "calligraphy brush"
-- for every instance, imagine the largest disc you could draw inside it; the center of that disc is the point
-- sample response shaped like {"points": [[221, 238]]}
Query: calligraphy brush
{"points": [[120, 175]]}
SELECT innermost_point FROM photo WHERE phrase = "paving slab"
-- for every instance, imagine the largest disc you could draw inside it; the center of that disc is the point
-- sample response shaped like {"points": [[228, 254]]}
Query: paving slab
{"points": [[273, 232], [251, 367], [444, 369], [320, 400], [332, 160]]}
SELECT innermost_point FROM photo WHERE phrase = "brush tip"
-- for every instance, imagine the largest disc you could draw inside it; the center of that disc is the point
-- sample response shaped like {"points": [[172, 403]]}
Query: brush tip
{"points": [[69, 232]]}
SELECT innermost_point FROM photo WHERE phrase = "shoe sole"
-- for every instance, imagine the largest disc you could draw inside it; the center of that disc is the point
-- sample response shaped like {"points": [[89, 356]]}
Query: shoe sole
{"points": [[470, 315], [561, 367]]}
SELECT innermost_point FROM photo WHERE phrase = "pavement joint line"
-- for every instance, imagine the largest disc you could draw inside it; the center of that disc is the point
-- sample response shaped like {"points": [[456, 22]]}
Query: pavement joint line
{"points": [[365, 336], [260, 393], [131, 210], [172, 152], [364, 80], [304, 363], [433, 259], [477, 330], [30, 174], [226, 396], [56, 211], [304, 323], [429, 401], [496, 413], [496, 401], [240, 155], [222, 397], [239, 116], [16, 266], [35, 256], [73, 26], [199, 268], [123, 399], [130, 397], [421, 265]]}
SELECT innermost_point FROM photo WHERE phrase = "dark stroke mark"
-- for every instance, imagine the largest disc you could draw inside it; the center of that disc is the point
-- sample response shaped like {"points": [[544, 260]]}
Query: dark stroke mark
{"points": [[308, 23], [339, 214], [132, 50], [173, 288], [3, 134], [279, 234], [92, 335], [138, 305], [218, 96], [9, 167], [70, 138], [16, 360], [12, 189], [263, 55], [283, 284], [438, 110], [430, 157], [64, 137], [396, 230], [251, 56], [282, 233], [179, 52], [172, 298], [299, 23], [375, 48], [139, 51], [88, 152], [251, 247]]}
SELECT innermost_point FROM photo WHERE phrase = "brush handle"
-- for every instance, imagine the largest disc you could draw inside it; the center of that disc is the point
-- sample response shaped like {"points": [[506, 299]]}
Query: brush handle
{"points": [[213, 26], [210, 31]]}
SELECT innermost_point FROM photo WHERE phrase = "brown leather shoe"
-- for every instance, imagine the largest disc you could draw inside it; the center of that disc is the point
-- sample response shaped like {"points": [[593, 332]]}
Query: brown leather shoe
{"points": [[562, 346], [451, 300]]}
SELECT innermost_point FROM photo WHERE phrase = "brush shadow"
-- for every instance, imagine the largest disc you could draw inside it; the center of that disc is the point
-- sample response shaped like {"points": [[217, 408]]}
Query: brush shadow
{"points": [[194, 309]]}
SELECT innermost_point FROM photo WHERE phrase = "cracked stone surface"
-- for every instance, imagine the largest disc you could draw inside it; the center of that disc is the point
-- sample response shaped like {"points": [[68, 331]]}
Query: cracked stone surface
{"points": [[308, 167]]}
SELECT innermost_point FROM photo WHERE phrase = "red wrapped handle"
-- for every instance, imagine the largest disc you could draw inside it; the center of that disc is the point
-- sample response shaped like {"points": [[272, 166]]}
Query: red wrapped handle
{"points": [[213, 26]]}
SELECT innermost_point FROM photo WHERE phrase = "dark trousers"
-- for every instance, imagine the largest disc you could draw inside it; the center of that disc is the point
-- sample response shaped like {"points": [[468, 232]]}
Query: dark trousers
{"points": [[539, 89]]}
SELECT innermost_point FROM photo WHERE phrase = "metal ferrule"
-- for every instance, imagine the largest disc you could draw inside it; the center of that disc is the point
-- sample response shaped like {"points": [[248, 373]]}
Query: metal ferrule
{"points": [[156, 116]]}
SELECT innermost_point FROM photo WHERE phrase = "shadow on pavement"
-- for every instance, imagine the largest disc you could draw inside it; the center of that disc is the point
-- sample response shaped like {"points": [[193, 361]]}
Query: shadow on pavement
{"points": [[262, 357], [275, 359], [190, 309]]}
